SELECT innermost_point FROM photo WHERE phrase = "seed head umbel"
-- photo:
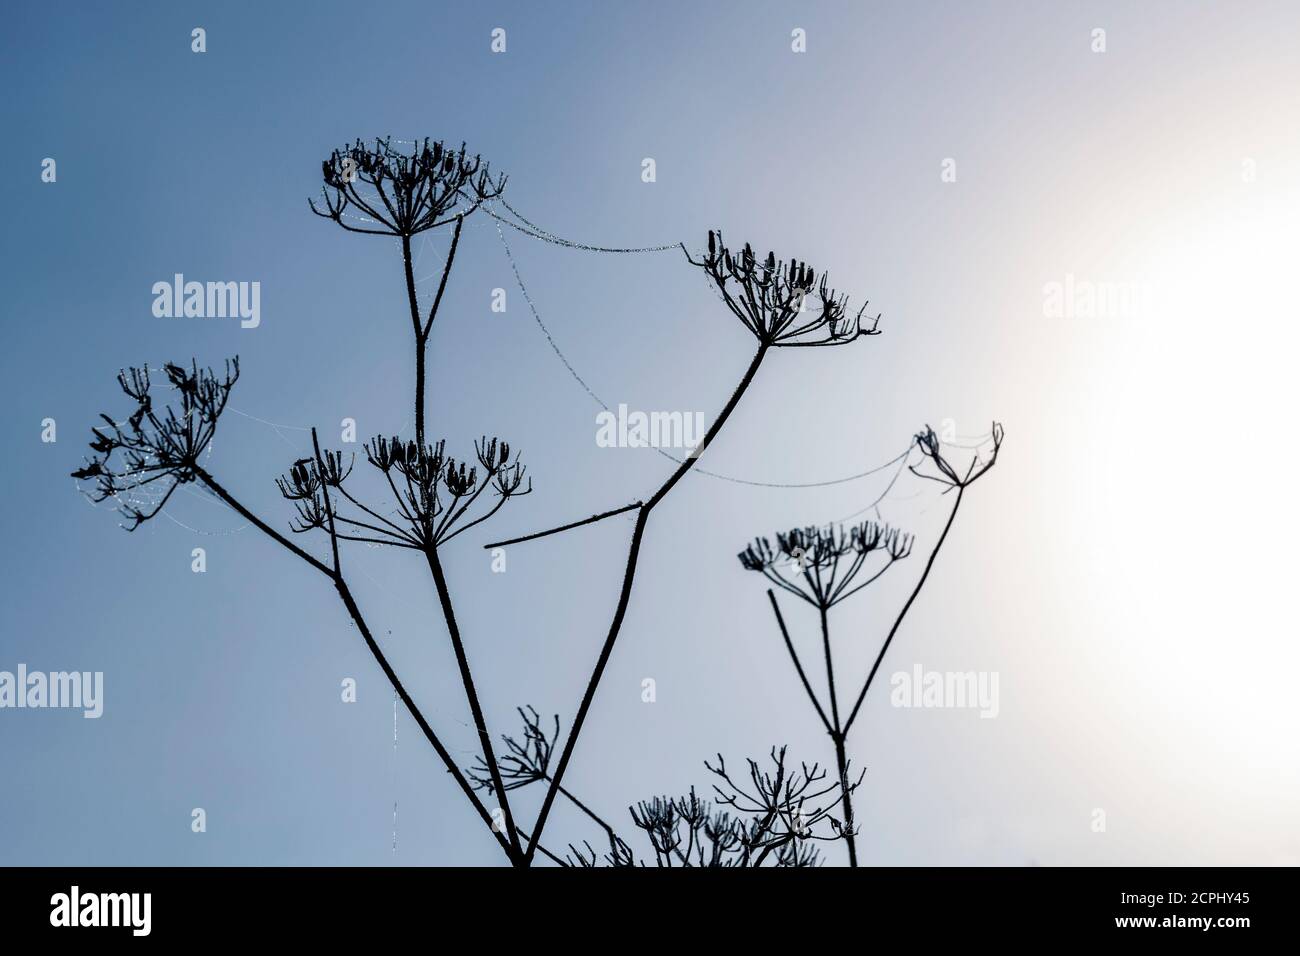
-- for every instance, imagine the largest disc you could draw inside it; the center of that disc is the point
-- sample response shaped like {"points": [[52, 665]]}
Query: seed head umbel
{"points": [[388, 190], [954, 476], [141, 461], [783, 303], [825, 565]]}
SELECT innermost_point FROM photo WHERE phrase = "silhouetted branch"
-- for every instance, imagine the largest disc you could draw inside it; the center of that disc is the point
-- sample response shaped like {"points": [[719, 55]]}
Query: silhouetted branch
{"points": [[527, 761], [566, 527], [775, 819], [933, 450], [794, 656], [403, 193], [826, 565], [769, 312], [398, 192]]}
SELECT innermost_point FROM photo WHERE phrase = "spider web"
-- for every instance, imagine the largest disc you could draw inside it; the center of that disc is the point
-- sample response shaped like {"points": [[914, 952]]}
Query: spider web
{"points": [[147, 497]]}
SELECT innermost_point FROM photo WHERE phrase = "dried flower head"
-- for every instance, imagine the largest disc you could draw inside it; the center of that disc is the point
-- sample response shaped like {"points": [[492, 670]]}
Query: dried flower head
{"points": [[525, 760], [950, 475], [775, 819], [396, 192], [306, 484], [771, 298], [156, 450], [434, 492], [821, 565]]}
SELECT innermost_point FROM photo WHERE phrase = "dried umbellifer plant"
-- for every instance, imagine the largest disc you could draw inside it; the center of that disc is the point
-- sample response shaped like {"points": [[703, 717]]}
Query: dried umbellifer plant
{"points": [[382, 190], [775, 818], [824, 567], [427, 497], [768, 298]]}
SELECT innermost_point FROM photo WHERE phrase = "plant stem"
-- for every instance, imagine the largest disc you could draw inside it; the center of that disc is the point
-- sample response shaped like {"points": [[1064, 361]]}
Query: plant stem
{"points": [[839, 736], [566, 527], [446, 271], [258, 523], [842, 762], [906, 607], [807, 686], [420, 339], [442, 751], [349, 602], [615, 841], [471, 694], [625, 593], [830, 668]]}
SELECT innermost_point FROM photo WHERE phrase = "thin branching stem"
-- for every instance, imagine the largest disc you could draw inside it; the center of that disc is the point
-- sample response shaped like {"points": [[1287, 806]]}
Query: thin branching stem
{"points": [[830, 670], [906, 607], [566, 527], [625, 591], [446, 271], [420, 339], [471, 695], [354, 611], [794, 656], [258, 523]]}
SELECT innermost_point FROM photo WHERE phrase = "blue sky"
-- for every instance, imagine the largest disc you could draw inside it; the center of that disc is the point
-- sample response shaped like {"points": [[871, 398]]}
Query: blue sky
{"points": [[1110, 570]]}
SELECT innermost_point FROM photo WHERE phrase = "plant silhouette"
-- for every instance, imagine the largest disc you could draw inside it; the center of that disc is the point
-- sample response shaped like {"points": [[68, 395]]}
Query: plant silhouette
{"points": [[427, 496], [776, 817], [825, 566]]}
